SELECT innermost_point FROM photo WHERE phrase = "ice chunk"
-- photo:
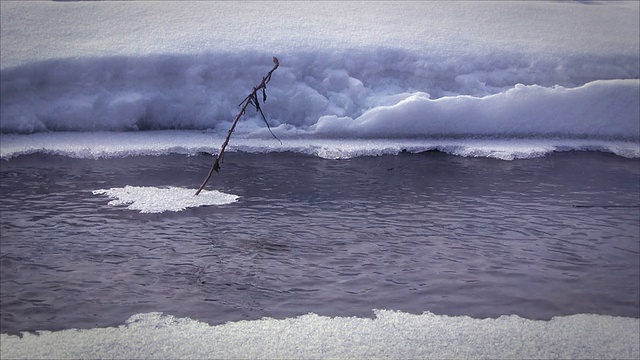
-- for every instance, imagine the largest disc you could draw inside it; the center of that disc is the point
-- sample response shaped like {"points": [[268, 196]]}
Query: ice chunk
{"points": [[158, 200]]}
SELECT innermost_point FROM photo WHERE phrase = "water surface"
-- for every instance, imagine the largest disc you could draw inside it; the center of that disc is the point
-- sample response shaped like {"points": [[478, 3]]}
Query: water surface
{"points": [[481, 237]]}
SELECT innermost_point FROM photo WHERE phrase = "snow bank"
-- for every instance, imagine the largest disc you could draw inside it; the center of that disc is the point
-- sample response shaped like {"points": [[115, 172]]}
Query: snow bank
{"points": [[599, 109], [390, 335], [604, 108], [382, 69]]}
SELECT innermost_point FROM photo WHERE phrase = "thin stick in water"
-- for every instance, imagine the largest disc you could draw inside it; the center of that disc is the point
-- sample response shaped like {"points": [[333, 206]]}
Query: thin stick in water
{"points": [[251, 99]]}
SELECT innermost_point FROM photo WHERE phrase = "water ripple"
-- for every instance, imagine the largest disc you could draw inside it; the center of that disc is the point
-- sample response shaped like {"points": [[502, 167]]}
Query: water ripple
{"points": [[456, 236]]}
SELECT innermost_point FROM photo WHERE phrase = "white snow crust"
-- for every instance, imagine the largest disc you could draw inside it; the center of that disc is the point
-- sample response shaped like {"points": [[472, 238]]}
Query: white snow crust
{"points": [[149, 199], [391, 335]]}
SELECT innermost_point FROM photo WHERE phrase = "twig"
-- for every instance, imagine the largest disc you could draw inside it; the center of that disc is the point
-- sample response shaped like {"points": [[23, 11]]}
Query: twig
{"points": [[251, 99]]}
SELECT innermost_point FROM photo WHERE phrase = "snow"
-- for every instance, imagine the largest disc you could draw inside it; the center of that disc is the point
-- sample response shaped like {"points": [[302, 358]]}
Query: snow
{"points": [[390, 335], [142, 28], [158, 200], [119, 95], [599, 108]]}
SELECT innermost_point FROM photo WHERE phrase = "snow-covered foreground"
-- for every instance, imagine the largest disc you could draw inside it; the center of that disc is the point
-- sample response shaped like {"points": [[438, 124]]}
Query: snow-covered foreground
{"points": [[390, 335]]}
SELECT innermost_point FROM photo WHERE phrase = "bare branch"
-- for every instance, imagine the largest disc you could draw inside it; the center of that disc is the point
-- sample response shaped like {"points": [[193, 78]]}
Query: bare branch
{"points": [[251, 99]]}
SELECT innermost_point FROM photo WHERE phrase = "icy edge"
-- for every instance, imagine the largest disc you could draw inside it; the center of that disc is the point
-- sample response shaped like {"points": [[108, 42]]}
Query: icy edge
{"points": [[96, 145]]}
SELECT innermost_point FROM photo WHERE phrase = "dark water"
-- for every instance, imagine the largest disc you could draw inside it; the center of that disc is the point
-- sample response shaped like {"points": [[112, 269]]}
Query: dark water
{"points": [[460, 236]]}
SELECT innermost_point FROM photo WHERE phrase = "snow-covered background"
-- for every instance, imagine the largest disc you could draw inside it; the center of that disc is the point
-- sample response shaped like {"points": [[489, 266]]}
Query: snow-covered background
{"points": [[348, 70]]}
